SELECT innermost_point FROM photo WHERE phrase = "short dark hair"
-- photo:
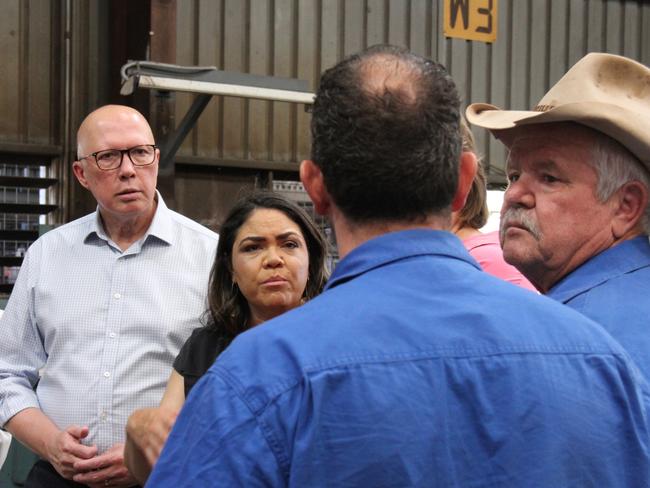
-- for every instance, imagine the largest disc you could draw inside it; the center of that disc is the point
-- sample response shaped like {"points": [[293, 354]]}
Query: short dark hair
{"points": [[475, 212], [228, 309], [385, 134]]}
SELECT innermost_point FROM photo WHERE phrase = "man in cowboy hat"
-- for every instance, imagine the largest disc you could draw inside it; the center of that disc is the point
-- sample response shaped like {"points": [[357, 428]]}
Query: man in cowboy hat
{"points": [[575, 216]]}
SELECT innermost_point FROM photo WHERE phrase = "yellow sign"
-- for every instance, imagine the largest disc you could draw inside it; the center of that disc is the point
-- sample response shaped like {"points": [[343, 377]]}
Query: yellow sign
{"points": [[475, 20]]}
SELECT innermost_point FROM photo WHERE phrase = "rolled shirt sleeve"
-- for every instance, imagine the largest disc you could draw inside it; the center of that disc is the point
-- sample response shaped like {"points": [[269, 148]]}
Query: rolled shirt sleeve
{"points": [[22, 354]]}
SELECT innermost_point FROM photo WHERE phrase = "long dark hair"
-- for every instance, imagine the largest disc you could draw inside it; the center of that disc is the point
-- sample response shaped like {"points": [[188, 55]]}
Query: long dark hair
{"points": [[228, 310]]}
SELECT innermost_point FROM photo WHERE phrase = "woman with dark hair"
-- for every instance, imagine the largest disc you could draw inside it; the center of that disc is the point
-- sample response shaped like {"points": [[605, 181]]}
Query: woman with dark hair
{"points": [[270, 259], [466, 222], [238, 297]]}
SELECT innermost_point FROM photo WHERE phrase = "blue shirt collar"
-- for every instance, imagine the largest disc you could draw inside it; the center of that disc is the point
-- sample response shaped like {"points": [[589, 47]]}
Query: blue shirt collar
{"points": [[396, 246], [161, 226], [620, 259]]}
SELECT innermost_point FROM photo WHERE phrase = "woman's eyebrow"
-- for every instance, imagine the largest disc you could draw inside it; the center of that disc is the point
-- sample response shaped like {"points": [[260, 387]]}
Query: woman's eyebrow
{"points": [[290, 233]]}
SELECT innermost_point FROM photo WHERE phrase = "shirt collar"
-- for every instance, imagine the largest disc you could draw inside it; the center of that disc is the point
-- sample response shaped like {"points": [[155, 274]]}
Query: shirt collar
{"points": [[161, 226], [620, 259], [396, 246]]}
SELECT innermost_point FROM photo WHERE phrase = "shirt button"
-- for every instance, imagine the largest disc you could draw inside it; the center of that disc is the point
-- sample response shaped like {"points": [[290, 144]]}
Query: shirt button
{"points": [[103, 416], [112, 335], [117, 296], [107, 374]]}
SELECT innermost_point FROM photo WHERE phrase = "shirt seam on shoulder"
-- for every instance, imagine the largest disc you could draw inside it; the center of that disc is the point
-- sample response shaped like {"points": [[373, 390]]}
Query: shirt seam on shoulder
{"points": [[455, 354], [70, 227], [197, 228]]}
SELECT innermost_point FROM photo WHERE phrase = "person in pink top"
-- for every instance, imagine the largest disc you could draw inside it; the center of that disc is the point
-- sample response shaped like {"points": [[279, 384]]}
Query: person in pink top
{"points": [[485, 248]]}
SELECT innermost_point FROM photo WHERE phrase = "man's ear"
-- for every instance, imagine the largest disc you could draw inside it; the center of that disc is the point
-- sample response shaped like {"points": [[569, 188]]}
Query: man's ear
{"points": [[466, 172], [312, 179], [78, 170], [630, 202]]}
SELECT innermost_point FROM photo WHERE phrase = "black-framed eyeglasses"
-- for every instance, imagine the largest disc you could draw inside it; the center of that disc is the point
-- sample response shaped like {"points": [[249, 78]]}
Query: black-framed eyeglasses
{"points": [[108, 159]]}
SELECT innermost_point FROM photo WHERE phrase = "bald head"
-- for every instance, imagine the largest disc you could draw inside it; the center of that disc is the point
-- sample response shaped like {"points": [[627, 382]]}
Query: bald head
{"points": [[385, 135], [388, 73], [125, 193], [105, 127]]}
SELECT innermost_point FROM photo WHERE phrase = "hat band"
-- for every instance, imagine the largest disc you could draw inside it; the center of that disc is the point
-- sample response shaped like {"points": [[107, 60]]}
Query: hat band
{"points": [[543, 108]]}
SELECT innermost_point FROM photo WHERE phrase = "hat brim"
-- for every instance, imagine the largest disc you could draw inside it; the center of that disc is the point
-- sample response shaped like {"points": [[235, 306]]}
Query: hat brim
{"points": [[619, 123]]}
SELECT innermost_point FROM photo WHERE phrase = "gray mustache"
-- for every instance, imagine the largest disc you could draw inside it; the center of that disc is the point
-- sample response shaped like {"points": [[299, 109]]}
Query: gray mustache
{"points": [[520, 218]]}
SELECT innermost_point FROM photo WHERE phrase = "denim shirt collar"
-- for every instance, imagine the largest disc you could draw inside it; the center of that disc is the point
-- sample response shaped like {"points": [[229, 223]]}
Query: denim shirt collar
{"points": [[620, 259], [395, 246]]}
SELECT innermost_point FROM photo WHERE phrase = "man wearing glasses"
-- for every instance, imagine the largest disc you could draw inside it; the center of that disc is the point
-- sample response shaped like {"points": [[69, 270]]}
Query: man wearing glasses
{"points": [[100, 309]]}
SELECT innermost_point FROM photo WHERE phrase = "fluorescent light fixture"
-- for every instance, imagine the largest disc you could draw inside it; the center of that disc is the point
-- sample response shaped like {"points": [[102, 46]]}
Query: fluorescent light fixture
{"points": [[211, 81]]}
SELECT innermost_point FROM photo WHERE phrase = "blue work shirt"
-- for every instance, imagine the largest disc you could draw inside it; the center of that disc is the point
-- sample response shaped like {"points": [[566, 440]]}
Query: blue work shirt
{"points": [[414, 368], [613, 288]]}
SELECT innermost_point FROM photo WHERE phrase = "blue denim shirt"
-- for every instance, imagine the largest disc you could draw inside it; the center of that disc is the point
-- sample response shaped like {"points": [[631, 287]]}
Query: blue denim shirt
{"points": [[414, 368], [613, 288]]}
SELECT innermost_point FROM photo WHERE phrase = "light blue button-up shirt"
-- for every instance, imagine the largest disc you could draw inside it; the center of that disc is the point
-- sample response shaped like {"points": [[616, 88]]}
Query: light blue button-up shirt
{"points": [[101, 325]]}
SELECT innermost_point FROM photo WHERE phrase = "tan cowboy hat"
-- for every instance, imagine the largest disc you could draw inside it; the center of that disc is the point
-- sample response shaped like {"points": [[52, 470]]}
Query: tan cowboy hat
{"points": [[606, 92]]}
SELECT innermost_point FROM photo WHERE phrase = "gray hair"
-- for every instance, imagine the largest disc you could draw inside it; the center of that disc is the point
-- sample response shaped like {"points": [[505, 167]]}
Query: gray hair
{"points": [[615, 166]]}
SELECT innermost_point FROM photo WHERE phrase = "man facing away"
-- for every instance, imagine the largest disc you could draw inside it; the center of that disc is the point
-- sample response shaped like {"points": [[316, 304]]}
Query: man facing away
{"points": [[100, 309], [413, 368], [575, 217]]}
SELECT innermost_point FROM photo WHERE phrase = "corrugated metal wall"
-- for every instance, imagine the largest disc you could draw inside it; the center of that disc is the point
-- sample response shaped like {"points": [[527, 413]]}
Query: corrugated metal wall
{"points": [[538, 40], [52, 75], [35, 44], [29, 79]]}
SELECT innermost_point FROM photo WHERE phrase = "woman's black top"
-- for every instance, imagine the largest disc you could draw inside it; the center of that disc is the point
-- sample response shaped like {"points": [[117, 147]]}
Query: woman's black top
{"points": [[198, 353]]}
